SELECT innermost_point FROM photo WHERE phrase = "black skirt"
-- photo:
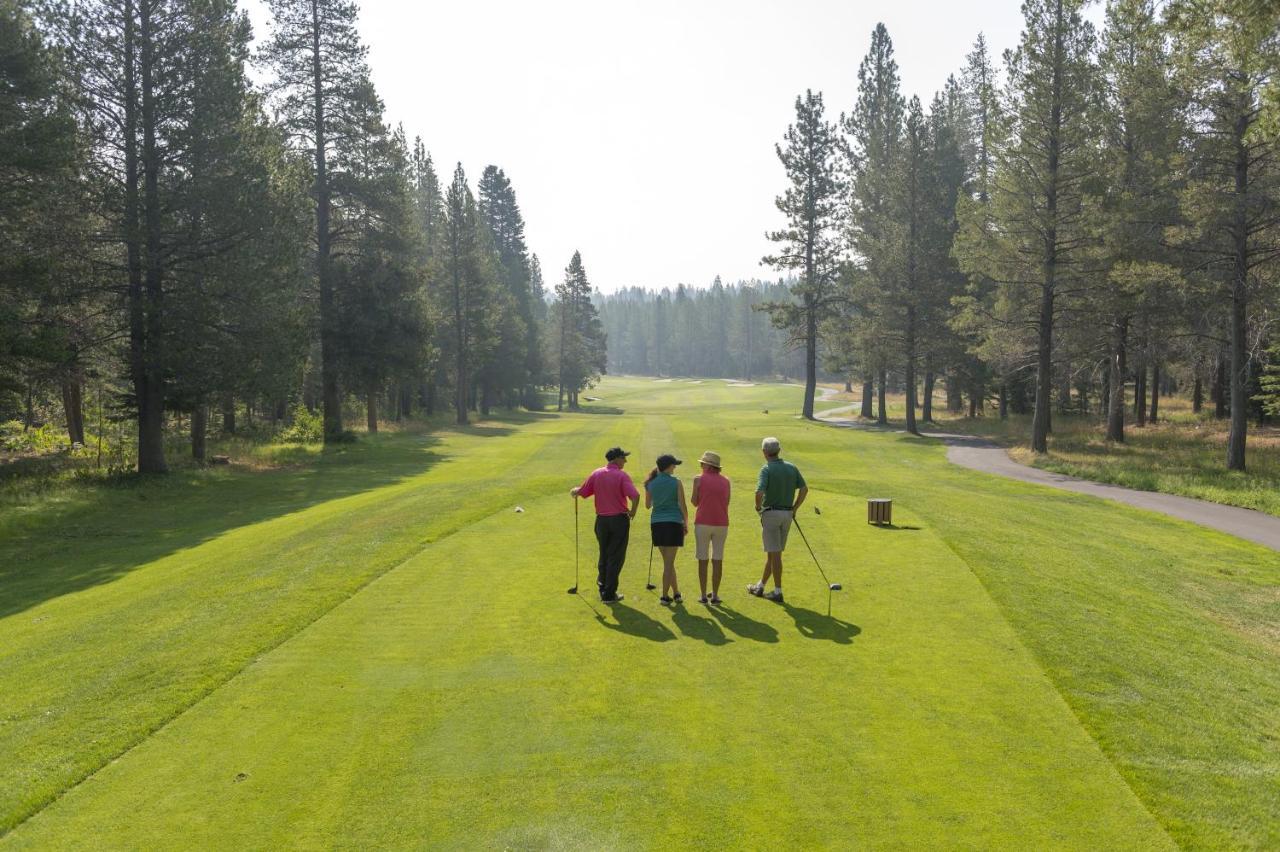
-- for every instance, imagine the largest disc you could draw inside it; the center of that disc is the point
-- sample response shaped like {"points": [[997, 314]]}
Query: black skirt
{"points": [[667, 534]]}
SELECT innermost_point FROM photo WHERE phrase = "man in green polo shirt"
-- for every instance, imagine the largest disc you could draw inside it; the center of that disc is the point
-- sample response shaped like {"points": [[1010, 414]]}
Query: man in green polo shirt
{"points": [[780, 489]]}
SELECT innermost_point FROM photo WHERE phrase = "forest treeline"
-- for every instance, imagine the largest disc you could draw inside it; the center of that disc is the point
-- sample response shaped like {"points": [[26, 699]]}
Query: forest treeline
{"points": [[177, 240], [716, 332], [1083, 226]]}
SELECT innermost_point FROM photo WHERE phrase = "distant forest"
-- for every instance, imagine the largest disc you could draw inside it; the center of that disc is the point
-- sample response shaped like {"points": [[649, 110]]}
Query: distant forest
{"points": [[715, 332]]}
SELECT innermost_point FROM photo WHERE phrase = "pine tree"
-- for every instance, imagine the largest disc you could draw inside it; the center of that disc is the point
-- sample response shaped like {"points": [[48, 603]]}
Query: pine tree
{"points": [[319, 63], [581, 357], [1038, 249], [1227, 56], [42, 224], [465, 289], [236, 310], [1140, 159], [501, 213], [810, 241]]}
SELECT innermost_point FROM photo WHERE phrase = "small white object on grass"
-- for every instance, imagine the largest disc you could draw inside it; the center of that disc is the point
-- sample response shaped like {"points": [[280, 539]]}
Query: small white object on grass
{"points": [[519, 508]]}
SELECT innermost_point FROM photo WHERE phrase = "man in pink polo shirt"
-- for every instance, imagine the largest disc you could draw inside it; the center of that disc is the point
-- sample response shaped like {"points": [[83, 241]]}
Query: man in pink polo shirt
{"points": [[612, 488]]}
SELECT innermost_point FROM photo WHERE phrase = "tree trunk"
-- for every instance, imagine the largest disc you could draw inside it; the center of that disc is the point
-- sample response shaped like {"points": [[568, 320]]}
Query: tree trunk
{"points": [[1197, 394], [228, 414], [371, 408], [882, 416], [29, 407], [810, 360], [150, 396], [73, 405], [955, 403], [926, 412], [1140, 396], [910, 351], [199, 430], [1040, 422], [1115, 381], [1155, 393], [868, 392], [1239, 307], [848, 385], [1219, 390], [486, 400], [1004, 400], [331, 405]]}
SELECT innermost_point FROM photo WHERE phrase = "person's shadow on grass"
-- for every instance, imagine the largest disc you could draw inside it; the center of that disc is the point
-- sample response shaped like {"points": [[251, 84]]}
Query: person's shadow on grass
{"points": [[699, 627], [635, 623], [817, 625], [747, 628]]}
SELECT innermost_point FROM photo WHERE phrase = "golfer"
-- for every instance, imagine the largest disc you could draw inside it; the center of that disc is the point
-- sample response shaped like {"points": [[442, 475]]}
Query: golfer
{"points": [[780, 489], [668, 521], [711, 523], [612, 488]]}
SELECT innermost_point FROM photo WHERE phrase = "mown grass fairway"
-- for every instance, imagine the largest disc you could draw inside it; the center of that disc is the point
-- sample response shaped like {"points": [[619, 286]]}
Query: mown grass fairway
{"points": [[375, 650]]}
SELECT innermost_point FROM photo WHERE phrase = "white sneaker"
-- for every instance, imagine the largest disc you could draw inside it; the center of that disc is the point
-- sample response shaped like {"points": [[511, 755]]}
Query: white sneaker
{"points": [[775, 595], [756, 589]]}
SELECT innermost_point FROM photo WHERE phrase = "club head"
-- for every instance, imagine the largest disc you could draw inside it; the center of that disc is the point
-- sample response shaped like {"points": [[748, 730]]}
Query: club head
{"points": [[836, 587], [573, 591], [650, 586]]}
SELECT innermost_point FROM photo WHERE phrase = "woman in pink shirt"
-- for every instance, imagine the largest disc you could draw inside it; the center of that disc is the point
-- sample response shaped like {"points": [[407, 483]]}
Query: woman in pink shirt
{"points": [[711, 523]]}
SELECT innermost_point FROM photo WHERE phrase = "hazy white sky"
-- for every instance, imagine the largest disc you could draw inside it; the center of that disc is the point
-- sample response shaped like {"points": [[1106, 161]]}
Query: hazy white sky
{"points": [[642, 133]]}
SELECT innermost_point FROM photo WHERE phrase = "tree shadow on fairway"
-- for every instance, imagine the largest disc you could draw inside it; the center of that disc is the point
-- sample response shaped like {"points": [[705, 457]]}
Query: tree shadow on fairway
{"points": [[633, 622], [113, 529], [817, 625], [699, 627], [747, 628]]}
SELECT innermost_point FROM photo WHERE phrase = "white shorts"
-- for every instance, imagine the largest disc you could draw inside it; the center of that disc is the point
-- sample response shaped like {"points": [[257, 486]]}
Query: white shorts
{"points": [[710, 539]]}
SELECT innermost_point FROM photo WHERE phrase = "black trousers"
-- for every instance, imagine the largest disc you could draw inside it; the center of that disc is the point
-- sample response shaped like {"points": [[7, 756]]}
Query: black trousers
{"points": [[612, 531]]}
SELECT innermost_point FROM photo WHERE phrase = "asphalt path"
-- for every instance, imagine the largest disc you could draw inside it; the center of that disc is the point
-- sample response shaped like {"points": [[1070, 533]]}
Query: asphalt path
{"points": [[988, 457]]}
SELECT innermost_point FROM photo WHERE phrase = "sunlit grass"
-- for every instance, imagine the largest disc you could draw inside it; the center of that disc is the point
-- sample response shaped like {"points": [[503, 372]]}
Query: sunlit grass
{"points": [[370, 648]]}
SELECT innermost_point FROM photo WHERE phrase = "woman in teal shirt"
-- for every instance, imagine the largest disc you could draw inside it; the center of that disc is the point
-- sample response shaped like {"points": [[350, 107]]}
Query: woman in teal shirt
{"points": [[668, 520]]}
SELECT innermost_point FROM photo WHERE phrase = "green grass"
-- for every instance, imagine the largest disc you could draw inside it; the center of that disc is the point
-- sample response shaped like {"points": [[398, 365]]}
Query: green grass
{"points": [[371, 648], [1184, 453]]}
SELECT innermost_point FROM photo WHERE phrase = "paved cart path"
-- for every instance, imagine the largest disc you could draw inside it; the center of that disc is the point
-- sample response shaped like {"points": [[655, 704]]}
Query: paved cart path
{"points": [[988, 457]]}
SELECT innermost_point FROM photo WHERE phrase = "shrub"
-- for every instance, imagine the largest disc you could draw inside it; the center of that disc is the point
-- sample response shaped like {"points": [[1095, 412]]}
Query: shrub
{"points": [[307, 427], [39, 439]]}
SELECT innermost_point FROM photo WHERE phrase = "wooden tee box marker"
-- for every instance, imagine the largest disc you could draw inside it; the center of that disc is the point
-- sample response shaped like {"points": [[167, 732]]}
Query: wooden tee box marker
{"points": [[879, 511]]}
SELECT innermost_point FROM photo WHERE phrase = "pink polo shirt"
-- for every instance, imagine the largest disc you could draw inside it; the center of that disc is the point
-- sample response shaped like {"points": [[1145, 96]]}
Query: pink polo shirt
{"points": [[713, 500], [611, 486]]}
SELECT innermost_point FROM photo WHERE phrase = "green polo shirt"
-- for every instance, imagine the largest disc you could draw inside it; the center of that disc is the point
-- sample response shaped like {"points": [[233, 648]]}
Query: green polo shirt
{"points": [[779, 480]]}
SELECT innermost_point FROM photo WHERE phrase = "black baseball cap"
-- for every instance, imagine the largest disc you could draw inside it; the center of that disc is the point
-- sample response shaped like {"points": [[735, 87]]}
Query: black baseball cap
{"points": [[615, 453], [666, 460]]}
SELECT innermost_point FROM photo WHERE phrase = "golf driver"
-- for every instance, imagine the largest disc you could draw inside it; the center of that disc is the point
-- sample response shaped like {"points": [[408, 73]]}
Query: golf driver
{"points": [[574, 590], [831, 587], [648, 584]]}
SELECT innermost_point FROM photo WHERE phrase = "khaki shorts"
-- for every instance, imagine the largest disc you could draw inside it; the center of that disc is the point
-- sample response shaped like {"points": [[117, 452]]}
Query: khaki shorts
{"points": [[710, 539], [774, 526]]}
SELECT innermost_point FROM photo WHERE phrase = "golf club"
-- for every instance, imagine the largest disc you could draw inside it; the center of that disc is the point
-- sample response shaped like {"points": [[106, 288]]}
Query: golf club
{"points": [[574, 590], [648, 584], [831, 587]]}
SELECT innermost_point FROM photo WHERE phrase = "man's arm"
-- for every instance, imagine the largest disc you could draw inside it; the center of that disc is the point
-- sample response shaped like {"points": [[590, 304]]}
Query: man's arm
{"points": [[629, 489], [693, 498], [586, 489], [804, 492], [761, 481]]}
